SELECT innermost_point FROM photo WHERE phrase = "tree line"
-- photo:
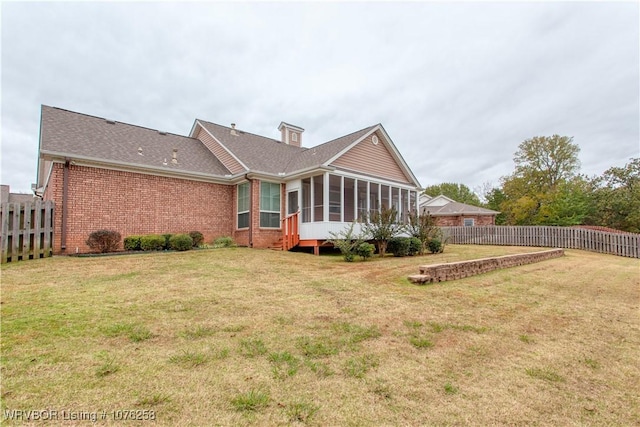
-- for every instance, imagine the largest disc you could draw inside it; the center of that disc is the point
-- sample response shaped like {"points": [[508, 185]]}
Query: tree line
{"points": [[547, 188]]}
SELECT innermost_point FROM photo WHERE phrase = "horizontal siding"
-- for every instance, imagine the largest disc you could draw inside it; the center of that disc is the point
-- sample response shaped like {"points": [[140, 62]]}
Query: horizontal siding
{"points": [[223, 155], [373, 160]]}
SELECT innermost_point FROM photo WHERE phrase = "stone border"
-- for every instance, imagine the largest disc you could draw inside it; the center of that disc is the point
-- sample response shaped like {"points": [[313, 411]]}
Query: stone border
{"points": [[461, 269]]}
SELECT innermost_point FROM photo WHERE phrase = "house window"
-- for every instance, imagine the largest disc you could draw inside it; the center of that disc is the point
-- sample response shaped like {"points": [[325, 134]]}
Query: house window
{"points": [[269, 205], [306, 200], [243, 205], [318, 197], [469, 222], [363, 210], [374, 198], [294, 137], [335, 198], [349, 199]]}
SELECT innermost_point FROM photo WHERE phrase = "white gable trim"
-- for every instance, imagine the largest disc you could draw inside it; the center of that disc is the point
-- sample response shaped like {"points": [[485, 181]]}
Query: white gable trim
{"points": [[388, 143], [219, 143], [436, 201]]}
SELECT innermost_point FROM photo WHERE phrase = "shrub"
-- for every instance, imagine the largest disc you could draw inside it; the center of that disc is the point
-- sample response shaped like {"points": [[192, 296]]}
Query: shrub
{"points": [[383, 226], [197, 237], [181, 242], [132, 243], [365, 250], [435, 246], [152, 242], [224, 242], [415, 246], [104, 241], [166, 244], [399, 246], [347, 242]]}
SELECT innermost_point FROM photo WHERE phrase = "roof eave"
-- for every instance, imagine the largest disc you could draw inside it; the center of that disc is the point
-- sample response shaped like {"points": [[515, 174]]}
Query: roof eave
{"points": [[137, 168]]}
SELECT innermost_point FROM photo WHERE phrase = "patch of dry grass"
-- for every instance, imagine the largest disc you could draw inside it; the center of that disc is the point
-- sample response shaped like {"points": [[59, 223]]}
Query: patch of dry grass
{"points": [[248, 337]]}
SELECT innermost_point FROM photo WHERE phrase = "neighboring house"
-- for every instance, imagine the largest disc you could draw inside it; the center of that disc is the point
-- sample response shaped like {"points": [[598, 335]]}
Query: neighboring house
{"points": [[448, 213], [219, 180], [6, 196]]}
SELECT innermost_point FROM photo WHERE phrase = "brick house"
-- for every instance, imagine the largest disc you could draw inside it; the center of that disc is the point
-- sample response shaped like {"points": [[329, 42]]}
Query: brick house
{"points": [[449, 213], [219, 180]]}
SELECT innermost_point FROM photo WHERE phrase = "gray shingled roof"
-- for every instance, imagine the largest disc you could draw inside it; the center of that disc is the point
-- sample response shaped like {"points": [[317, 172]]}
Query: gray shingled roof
{"points": [[268, 155], [69, 134], [457, 208], [258, 153]]}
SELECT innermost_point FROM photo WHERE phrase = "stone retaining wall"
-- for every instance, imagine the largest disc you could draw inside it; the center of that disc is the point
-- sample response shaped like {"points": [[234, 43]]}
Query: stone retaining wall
{"points": [[458, 270]]}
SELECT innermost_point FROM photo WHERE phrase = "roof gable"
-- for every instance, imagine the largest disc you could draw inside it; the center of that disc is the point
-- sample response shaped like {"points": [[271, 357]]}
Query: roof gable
{"points": [[258, 153], [372, 155]]}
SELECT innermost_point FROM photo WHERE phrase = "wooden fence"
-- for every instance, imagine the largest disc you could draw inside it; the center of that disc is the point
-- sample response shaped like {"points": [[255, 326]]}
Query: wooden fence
{"points": [[622, 244], [27, 230]]}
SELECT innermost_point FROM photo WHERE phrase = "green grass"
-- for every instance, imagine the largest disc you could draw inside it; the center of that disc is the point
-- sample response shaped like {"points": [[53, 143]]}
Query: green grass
{"points": [[250, 337]]}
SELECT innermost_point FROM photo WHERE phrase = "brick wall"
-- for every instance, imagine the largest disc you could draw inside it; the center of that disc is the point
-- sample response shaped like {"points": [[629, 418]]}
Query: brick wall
{"points": [[263, 237], [133, 203], [458, 220], [458, 270]]}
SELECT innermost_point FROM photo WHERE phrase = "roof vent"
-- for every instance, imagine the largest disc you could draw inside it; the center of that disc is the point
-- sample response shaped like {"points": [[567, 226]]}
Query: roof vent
{"points": [[140, 151], [164, 163], [174, 158], [233, 129], [111, 122], [162, 132]]}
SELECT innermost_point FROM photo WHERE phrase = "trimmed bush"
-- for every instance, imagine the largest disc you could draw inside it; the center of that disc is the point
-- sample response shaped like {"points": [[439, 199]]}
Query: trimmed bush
{"points": [[197, 237], [152, 242], [399, 246], [224, 242], [132, 243], [104, 241], [166, 244], [415, 246], [365, 250], [181, 242], [434, 246]]}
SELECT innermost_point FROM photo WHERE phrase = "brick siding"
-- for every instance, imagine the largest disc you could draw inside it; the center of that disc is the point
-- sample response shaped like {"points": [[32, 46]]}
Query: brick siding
{"points": [[458, 220], [133, 203]]}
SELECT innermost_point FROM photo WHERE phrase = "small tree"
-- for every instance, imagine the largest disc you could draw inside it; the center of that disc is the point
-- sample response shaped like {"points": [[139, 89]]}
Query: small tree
{"points": [[383, 226], [347, 242], [423, 228]]}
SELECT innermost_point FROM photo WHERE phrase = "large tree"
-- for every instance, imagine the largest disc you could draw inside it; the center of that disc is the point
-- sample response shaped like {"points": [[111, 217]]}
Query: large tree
{"points": [[544, 161], [616, 198], [458, 192], [545, 187]]}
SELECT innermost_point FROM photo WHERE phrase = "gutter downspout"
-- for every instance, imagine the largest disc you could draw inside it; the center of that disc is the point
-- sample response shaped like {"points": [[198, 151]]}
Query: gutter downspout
{"points": [[250, 210], [65, 203]]}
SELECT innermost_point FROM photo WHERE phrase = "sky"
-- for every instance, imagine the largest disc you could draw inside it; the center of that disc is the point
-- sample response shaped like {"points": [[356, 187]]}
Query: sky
{"points": [[456, 85]]}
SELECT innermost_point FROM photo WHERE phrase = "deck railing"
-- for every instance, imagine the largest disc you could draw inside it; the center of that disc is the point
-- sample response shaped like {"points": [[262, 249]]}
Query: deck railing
{"points": [[290, 231]]}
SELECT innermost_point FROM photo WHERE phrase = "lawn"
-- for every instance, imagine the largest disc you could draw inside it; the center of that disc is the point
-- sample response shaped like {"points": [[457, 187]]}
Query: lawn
{"points": [[256, 337]]}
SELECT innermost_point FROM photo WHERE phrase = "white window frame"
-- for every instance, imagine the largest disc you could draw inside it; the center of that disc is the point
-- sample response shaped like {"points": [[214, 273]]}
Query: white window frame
{"points": [[238, 206], [464, 222], [279, 211]]}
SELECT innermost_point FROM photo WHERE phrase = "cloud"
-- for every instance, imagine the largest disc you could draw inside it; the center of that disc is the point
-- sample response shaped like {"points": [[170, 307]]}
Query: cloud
{"points": [[457, 85]]}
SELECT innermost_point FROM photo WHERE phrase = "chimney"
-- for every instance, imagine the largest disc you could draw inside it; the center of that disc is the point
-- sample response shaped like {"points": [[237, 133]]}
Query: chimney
{"points": [[233, 129], [291, 134]]}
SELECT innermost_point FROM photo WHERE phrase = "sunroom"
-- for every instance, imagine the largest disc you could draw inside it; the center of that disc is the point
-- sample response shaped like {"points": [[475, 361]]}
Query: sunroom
{"points": [[331, 201]]}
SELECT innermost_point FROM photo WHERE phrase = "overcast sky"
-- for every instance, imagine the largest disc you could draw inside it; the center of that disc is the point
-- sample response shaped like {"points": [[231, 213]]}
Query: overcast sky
{"points": [[458, 86]]}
